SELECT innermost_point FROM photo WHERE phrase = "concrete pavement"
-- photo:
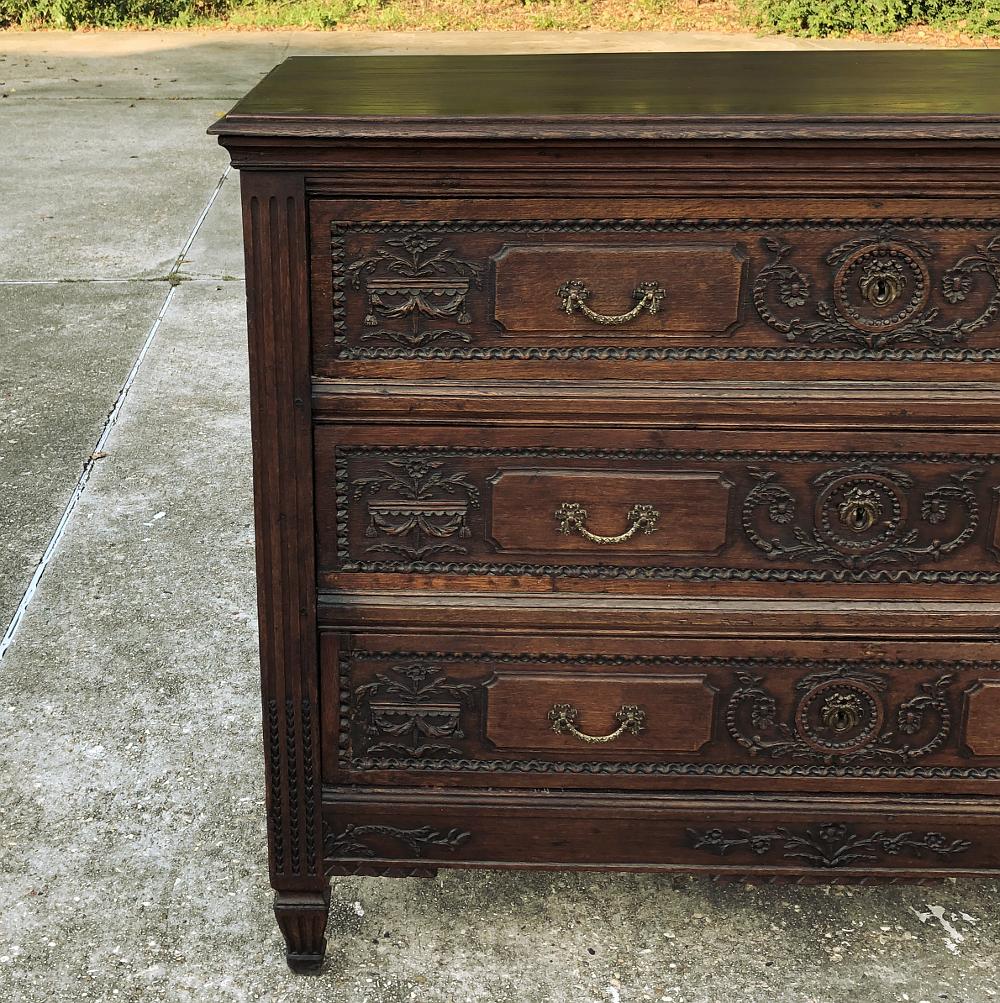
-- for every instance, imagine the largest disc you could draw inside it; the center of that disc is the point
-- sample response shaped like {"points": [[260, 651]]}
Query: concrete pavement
{"points": [[131, 825]]}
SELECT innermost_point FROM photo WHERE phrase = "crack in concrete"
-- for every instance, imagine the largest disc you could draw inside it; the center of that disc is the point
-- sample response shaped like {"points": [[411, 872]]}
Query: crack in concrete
{"points": [[110, 422]]}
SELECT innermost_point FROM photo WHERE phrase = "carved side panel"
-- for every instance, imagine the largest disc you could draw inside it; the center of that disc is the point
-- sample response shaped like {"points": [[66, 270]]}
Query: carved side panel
{"points": [[275, 228]]}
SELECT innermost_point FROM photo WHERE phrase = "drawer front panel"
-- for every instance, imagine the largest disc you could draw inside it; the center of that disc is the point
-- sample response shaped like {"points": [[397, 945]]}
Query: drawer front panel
{"points": [[634, 714], [863, 514], [850, 840], [591, 509], [448, 281], [623, 286], [715, 713]]}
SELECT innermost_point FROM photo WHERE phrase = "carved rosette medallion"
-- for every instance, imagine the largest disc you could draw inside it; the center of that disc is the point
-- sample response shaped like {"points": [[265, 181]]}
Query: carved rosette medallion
{"points": [[838, 717], [860, 516], [882, 286], [880, 294], [862, 513]]}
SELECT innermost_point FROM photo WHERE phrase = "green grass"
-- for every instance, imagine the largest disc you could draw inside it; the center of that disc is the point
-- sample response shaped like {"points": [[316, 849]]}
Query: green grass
{"points": [[814, 18]]}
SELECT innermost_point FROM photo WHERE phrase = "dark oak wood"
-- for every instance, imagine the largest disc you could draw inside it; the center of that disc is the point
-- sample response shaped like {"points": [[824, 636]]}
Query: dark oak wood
{"points": [[626, 468], [699, 289], [737, 94], [761, 513]]}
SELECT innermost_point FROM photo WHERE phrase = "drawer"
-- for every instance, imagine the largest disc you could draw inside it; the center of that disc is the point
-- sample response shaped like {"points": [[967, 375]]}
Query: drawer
{"points": [[846, 513], [564, 711], [529, 282]]}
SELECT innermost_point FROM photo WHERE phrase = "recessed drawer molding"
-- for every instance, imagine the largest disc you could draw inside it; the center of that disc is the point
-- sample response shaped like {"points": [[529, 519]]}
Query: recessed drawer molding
{"points": [[780, 516], [647, 714], [492, 713], [658, 289]]}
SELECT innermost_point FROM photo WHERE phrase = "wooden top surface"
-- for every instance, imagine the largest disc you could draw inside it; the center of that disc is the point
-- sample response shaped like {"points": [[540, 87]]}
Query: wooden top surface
{"points": [[632, 95]]}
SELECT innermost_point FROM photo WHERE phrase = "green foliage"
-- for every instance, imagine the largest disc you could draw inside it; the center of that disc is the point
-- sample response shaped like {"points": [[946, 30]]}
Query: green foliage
{"points": [[816, 18], [106, 13], [793, 17], [189, 13]]}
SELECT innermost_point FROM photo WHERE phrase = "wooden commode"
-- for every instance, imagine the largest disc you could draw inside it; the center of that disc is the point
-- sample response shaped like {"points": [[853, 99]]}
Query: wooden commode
{"points": [[626, 438]]}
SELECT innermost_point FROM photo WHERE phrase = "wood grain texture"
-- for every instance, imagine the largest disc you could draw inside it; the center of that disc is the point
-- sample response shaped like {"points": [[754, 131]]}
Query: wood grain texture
{"points": [[853, 515], [590, 95], [768, 713], [518, 288]]}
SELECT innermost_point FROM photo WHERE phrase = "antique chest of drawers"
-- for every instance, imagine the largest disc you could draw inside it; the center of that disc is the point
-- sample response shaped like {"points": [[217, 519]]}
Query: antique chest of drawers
{"points": [[626, 463]]}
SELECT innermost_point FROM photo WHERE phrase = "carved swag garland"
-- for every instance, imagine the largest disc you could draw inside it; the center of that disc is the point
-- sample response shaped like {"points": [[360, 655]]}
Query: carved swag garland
{"points": [[829, 845]]}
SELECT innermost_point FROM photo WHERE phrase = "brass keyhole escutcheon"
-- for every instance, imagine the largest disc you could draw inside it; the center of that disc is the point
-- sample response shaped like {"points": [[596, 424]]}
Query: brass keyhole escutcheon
{"points": [[860, 510], [882, 283], [841, 712], [861, 518], [881, 293]]}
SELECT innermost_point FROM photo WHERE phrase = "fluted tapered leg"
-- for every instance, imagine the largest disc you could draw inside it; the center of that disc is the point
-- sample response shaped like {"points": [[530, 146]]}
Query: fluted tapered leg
{"points": [[302, 920]]}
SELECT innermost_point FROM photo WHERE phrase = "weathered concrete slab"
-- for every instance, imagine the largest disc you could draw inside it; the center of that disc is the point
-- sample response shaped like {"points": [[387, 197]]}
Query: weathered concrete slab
{"points": [[66, 350], [144, 65], [102, 189], [400, 42], [217, 65]]}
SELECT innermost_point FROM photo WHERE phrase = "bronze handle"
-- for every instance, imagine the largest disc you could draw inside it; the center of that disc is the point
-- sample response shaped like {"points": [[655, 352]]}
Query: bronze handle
{"points": [[571, 517], [564, 716], [574, 295]]}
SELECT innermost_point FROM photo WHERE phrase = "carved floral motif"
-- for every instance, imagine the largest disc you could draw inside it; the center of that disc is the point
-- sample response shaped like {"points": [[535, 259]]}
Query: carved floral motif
{"points": [[832, 844], [354, 840], [858, 516], [839, 716], [881, 293], [881, 277], [862, 519], [417, 500], [413, 277], [411, 711]]}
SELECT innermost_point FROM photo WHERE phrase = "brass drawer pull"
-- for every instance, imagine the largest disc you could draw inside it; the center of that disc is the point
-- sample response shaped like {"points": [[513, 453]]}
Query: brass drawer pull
{"points": [[564, 716], [571, 517], [575, 293]]}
